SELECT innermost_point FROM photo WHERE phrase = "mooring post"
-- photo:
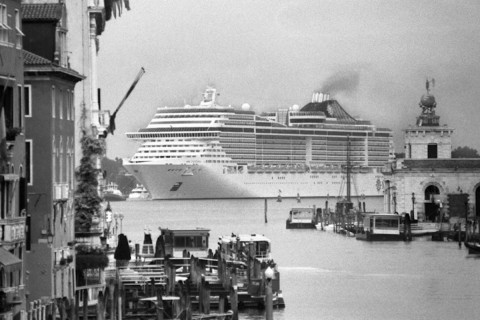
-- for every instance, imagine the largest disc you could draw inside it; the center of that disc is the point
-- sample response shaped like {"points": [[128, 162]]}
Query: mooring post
{"points": [[159, 303], [188, 302], [113, 291], [100, 307], [268, 294], [205, 296], [120, 301], [76, 307], [201, 293], [233, 300], [85, 304], [459, 234], [266, 220], [221, 303]]}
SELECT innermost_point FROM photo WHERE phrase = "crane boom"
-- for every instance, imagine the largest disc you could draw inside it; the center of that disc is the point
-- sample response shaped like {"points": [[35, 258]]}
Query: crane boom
{"points": [[111, 126]]}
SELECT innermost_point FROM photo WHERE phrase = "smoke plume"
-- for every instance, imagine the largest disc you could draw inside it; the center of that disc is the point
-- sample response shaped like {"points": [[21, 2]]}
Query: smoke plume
{"points": [[342, 82]]}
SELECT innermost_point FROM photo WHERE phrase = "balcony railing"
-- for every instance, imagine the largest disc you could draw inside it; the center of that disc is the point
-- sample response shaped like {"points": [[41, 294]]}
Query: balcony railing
{"points": [[12, 230], [103, 117], [61, 191]]}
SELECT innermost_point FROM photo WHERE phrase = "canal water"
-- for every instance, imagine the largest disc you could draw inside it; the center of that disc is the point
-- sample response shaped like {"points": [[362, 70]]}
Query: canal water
{"points": [[326, 275]]}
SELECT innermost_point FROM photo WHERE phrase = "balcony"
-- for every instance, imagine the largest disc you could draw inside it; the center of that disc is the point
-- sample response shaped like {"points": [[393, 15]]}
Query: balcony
{"points": [[97, 10], [103, 117], [61, 192], [12, 230]]}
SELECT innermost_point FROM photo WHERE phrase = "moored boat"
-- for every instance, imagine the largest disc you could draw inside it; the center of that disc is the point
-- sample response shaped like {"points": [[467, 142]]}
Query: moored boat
{"points": [[380, 227], [302, 218], [139, 193], [112, 193], [473, 247], [251, 253]]}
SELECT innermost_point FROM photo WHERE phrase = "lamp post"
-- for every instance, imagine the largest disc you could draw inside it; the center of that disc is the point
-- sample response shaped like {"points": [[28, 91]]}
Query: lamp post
{"points": [[413, 206], [108, 218], [120, 216], [363, 201], [394, 201], [115, 216], [268, 294]]}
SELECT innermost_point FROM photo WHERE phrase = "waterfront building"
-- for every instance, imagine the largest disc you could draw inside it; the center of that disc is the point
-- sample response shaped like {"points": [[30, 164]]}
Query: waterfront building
{"points": [[12, 163], [428, 182], [50, 141]]}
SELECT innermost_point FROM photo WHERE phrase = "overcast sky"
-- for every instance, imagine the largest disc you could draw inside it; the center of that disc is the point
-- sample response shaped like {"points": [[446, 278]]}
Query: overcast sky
{"points": [[373, 57]]}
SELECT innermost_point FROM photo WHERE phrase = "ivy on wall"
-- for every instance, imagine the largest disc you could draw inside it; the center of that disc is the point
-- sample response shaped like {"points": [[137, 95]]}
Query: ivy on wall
{"points": [[87, 199]]}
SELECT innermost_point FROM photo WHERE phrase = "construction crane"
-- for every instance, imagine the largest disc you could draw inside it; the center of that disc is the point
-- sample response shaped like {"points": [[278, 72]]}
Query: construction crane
{"points": [[111, 126]]}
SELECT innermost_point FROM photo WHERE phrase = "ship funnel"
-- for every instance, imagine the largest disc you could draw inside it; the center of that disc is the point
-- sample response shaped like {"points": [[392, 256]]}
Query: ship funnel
{"points": [[320, 97]]}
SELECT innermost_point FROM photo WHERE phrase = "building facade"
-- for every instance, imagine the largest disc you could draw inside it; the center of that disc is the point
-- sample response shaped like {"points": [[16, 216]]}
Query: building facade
{"points": [[428, 183], [12, 163], [50, 148]]}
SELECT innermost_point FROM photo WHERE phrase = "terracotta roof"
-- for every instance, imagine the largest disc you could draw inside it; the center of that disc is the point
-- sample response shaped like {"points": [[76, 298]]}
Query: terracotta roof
{"points": [[41, 11], [8, 261], [33, 59], [442, 163]]}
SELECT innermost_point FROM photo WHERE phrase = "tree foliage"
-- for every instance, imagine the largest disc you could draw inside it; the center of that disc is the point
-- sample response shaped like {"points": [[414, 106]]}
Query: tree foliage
{"points": [[465, 152], [87, 200]]}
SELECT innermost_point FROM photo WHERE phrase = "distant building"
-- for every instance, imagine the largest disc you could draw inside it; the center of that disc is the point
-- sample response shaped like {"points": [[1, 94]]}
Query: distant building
{"points": [[50, 146], [12, 163], [428, 182]]}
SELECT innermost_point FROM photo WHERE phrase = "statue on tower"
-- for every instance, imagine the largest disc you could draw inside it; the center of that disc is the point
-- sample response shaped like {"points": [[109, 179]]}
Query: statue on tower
{"points": [[428, 105], [427, 102]]}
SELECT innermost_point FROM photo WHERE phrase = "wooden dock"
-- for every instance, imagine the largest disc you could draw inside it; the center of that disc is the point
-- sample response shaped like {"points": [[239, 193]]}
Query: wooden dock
{"points": [[189, 288]]}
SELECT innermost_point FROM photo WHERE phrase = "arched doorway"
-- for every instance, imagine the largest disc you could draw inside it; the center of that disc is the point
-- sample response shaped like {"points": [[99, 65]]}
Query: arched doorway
{"points": [[477, 201], [431, 208]]}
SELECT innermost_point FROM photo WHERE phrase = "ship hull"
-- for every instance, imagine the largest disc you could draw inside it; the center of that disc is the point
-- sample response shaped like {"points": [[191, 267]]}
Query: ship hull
{"points": [[166, 182]]}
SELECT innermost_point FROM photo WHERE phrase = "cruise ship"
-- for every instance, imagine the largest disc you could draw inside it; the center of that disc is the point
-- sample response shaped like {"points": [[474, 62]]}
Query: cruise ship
{"points": [[210, 151]]}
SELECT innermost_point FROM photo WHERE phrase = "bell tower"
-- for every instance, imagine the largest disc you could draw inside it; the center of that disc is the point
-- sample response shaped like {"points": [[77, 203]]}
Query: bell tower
{"points": [[427, 139]]}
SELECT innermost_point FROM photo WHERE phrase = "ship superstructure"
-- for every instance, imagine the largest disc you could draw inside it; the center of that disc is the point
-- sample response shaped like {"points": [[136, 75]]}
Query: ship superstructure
{"points": [[214, 151]]}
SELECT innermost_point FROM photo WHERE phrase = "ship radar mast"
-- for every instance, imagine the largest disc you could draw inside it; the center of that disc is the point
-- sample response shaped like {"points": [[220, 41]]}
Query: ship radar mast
{"points": [[209, 97]]}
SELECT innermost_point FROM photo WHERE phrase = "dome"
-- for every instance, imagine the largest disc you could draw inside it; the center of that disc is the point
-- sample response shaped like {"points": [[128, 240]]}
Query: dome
{"points": [[295, 107], [428, 100], [245, 107]]}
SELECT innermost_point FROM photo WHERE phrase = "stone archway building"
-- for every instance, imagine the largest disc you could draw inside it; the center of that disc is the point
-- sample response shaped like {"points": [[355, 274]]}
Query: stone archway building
{"points": [[428, 181]]}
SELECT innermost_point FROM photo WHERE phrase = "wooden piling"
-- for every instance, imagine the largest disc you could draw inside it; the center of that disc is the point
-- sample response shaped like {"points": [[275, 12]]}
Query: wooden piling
{"points": [[85, 304], [459, 234], [77, 305], [266, 220], [100, 307], [159, 303], [188, 302], [205, 296], [233, 299], [112, 297], [268, 300], [221, 303]]}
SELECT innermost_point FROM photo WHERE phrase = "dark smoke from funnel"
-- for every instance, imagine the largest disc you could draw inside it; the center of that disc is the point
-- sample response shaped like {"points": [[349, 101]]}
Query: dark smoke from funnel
{"points": [[342, 82]]}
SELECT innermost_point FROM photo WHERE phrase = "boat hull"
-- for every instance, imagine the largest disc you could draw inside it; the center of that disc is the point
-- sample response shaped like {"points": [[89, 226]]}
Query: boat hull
{"points": [[215, 182], [367, 236], [113, 197]]}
